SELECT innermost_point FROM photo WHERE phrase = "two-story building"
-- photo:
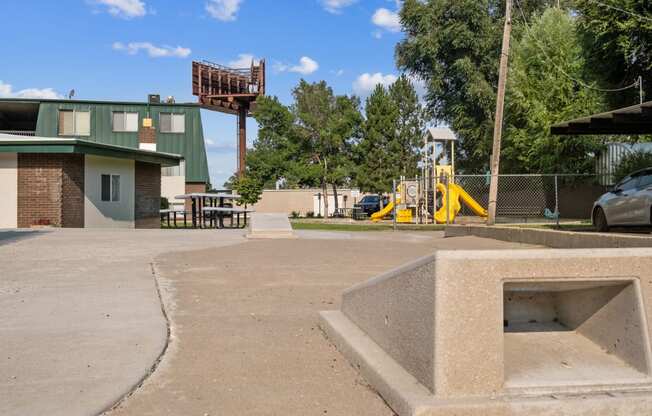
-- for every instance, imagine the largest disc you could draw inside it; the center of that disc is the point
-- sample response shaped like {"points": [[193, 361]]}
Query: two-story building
{"points": [[75, 163]]}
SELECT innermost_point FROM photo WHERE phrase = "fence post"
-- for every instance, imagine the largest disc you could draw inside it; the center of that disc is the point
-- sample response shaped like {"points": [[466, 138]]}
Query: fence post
{"points": [[448, 200], [557, 200], [394, 203]]}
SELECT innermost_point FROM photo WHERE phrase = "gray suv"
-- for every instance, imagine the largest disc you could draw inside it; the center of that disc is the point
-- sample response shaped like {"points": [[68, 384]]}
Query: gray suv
{"points": [[628, 204]]}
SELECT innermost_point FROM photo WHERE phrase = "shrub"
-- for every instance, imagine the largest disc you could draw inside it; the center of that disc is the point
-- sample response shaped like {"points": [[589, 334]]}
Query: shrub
{"points": [[631, 163], [165, 204], [310, 214], [295, 214]]}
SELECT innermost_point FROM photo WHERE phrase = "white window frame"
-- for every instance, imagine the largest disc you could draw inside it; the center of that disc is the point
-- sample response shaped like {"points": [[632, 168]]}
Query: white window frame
{"points": [[75, 132], [111, 189], [173, 125], [124, 113]]}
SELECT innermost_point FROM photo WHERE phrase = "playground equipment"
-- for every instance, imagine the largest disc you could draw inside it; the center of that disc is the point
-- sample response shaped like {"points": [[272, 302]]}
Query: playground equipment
{"points": [[434, 196]]}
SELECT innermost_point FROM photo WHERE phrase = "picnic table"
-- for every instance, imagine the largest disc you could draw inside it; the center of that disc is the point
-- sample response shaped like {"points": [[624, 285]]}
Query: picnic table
{"points": [[200, 200], [218, 214]]}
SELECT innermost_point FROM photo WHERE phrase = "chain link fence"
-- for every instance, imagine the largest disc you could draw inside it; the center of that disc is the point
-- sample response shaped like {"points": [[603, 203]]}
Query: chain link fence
{"points": [[523, 198]]}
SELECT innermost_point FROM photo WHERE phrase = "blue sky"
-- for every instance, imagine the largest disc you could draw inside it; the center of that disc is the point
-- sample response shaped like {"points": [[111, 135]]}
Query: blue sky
{"points": [[126, 49]]}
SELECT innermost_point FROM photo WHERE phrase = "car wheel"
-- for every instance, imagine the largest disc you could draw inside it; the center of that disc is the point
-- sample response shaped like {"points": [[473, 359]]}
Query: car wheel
{"points": [[600, 220]]}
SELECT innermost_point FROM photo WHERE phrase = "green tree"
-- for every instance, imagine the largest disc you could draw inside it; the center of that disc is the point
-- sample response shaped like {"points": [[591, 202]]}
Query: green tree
{"points": [[631, 163], [250, 189], [326, 124], [375, 155], [618, 44], [274, 152], [454, 46], [540, 92], [410, 127]]}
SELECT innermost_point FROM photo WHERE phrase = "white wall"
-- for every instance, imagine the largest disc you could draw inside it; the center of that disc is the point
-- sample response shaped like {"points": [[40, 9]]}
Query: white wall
{"points": [[172, 186], [108, 214], [8, 190]]}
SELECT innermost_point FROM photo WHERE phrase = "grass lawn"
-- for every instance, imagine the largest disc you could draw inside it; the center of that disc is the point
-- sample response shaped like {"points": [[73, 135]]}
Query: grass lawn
{"points": [[301, 225]]}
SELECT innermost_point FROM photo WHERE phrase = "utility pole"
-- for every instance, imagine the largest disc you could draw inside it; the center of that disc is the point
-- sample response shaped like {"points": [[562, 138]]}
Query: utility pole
{"points": [[500, 106]]}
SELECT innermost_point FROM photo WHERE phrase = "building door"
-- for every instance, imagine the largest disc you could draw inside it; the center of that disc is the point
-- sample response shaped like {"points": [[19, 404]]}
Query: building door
{"points": [[8, 190]]}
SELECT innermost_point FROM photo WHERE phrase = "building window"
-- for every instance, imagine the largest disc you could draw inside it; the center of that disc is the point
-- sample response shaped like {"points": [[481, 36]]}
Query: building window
{"points": [[125, 122], [110, 188], [74, 123], [172, 123]]}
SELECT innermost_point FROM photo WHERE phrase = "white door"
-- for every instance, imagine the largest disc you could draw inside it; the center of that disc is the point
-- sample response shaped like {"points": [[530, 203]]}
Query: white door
{"points": [[8, 190]]}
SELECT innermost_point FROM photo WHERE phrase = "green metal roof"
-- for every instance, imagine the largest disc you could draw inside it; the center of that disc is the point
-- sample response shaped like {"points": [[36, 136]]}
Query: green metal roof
{"points": [[190, 144], [18, 144]]}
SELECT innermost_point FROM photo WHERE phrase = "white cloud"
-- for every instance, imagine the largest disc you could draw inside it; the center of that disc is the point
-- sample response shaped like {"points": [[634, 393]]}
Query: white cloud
{"points": [[224, 10], [306, 66], [126, 9], [366, 82], [244, 61], [387, 20], [336, 6], [6, 91], [164, 51]]}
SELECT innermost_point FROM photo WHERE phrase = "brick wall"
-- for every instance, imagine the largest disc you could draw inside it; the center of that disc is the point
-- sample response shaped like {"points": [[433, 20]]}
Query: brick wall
{"points": [[50, 190], [72, 186], [147, 135], [192, 188], [148, 195]]}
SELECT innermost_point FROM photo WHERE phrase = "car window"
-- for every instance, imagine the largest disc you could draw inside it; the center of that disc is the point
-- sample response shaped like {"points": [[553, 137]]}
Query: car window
{"points": [[370, 199], [645, 181], [628, 184]]}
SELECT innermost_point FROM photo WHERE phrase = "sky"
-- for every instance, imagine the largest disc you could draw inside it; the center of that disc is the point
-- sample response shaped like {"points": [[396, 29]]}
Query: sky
{"points": [[126, 49]]}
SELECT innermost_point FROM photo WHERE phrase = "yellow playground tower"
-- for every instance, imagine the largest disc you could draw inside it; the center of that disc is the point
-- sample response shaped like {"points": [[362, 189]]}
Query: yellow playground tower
{"points": [[433, 197]]}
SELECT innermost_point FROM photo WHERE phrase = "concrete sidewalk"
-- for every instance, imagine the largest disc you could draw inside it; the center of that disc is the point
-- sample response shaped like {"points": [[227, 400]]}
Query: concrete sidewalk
{"points": [[245, 336], [80, 318]]}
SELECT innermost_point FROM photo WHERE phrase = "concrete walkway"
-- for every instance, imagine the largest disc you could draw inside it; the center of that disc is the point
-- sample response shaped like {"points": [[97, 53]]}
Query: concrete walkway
{"points": [[80, 318], [270, 226], [245, 336]]}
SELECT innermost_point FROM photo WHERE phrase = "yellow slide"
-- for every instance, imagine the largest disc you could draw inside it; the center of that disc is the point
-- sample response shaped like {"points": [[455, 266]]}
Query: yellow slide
{"points": [[377, 216], [457, 193]]}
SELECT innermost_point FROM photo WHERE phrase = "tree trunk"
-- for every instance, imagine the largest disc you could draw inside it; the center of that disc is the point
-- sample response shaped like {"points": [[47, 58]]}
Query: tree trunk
{"points": [[324, 187], [337, 204]]}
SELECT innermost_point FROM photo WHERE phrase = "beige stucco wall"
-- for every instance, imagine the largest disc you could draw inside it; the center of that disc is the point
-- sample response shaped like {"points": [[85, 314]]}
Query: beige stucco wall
{"points": [[106, 214], [172, 186], [8, 190], [300, 200]]}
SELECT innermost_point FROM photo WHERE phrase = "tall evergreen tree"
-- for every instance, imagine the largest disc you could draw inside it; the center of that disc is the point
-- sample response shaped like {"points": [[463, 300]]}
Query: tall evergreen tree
{"points": [[410, 127], [377, 149], [541, 91]]}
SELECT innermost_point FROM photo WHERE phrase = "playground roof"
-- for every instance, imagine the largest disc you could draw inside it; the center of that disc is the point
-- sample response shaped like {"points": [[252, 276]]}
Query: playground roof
{"points": [[636, 119], [441, 134]]}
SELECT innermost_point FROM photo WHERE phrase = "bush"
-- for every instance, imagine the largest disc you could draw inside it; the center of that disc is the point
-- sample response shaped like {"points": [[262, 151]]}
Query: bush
{"points": [[631, 163], [295, 214], [165, 204], [310, 214]]}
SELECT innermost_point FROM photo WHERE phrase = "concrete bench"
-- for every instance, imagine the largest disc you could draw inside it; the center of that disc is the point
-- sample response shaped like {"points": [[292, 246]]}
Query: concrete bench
{"points": [[506, 332], [221, 212]]}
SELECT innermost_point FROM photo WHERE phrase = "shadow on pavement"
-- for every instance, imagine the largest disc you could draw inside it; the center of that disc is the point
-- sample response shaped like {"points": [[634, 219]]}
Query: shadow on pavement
{"points": [[12, 236]]}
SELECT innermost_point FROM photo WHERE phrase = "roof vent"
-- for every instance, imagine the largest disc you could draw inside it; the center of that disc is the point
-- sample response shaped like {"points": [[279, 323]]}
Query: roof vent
{"points": [[154, 98]]}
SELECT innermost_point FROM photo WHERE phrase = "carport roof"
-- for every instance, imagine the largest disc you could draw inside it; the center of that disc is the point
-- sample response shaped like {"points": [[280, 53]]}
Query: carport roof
{"points": [[636, 119], [25, 144]]}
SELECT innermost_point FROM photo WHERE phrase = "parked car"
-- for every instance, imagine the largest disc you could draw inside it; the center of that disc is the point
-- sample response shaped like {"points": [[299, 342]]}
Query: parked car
{"points": [[371, 203], [628, 204]]}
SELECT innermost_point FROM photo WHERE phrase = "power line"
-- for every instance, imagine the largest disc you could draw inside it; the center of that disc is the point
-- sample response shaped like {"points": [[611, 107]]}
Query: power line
{"points": [[610, 6], [560, 69]]}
